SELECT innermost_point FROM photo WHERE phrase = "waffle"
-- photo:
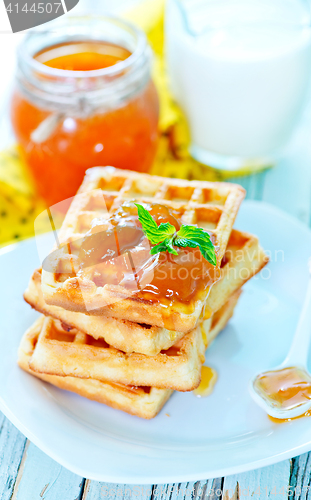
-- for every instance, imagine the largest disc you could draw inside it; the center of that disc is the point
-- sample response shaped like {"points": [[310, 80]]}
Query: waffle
{"points": [[212, 206], [145, 402], [243, 258], [74, 353]]}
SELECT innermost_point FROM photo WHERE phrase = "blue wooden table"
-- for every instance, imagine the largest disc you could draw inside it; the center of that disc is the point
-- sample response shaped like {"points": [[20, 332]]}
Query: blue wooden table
{"points": [[26, 473]]}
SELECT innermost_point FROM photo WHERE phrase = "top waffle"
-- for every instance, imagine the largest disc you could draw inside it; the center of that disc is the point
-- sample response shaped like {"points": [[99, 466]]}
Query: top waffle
{"points": [[212, 206]]}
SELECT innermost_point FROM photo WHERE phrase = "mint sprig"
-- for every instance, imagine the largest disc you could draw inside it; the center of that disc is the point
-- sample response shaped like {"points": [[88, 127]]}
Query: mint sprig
{"points": [[154, 233], [165, 237]]}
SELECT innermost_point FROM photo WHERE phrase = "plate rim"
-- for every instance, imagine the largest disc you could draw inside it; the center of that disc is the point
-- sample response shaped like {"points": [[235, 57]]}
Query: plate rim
{"points": [[167, 478]]}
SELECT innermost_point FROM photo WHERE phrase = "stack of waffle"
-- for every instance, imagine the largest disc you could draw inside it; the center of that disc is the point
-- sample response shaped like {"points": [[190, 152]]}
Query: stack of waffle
{"points": [[110, 345]]}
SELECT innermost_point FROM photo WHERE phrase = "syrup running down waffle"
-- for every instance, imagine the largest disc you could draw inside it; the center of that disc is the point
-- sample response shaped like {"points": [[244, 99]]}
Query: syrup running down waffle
{"points": [[243, 258], [144, 402], [105, 190]]}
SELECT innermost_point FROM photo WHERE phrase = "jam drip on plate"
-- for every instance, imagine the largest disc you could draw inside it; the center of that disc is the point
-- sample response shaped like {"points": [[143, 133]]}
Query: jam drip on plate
{"points": [[208, 381]]}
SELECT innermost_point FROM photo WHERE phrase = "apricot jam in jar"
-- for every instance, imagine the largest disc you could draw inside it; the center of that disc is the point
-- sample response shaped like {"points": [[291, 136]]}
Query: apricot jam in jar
{"points": [[84, 97]]}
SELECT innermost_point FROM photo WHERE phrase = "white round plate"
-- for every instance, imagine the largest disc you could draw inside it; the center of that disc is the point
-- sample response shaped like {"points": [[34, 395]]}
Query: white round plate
{"points": [[192, 438]]}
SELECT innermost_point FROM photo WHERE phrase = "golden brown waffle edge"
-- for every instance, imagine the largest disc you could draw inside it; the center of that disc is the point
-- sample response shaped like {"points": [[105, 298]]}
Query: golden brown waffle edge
{"points": [[243, 259], [212, 206], [143, 402]]}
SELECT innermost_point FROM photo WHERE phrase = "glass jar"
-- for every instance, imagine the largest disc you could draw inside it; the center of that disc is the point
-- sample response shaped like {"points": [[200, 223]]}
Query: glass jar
{"points": [[84, 97]]}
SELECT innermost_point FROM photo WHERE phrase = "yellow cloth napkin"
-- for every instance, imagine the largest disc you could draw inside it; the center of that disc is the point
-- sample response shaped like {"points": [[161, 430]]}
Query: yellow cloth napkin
{"points": [[19, 204]]}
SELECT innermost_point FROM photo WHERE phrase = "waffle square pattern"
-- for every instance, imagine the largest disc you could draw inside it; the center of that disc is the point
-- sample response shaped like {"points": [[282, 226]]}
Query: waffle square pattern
{"points": [[142, 401], [243, 258], [69, 285]]}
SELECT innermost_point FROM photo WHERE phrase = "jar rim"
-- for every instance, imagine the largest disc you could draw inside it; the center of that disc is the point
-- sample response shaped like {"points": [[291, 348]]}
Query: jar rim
{"points": [[116, 68]]}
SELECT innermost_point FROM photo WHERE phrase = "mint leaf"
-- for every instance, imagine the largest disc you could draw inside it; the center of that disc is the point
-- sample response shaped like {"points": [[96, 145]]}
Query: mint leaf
{"points": [[192, 236], [165, 237], [161, 247], [187, 231], [155, 234], [169, 242]]}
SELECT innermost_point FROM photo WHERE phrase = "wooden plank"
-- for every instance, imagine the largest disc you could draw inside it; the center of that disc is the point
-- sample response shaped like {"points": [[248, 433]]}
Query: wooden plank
{"points": [[288, 185], [42, 478], [96, 490], [12, 444], [205, 490], [209, 489], [300, 480], [261, 484], [254, 184], [177, 491]]}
